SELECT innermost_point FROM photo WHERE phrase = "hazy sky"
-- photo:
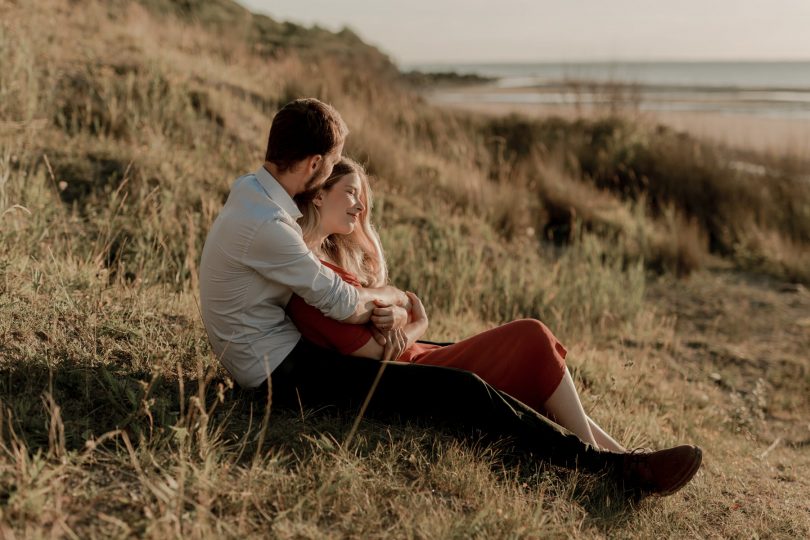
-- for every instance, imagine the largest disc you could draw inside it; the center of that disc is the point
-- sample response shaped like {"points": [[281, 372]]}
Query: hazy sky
{"points": [[543, 30]]}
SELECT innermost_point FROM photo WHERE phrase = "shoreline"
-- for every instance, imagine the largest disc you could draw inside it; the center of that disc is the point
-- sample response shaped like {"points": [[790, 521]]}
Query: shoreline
{"points": [[573, 84], [778, 135]]}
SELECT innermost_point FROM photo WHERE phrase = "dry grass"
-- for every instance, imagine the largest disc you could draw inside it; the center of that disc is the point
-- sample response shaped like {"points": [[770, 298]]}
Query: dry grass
{"points": [[115, 155]]}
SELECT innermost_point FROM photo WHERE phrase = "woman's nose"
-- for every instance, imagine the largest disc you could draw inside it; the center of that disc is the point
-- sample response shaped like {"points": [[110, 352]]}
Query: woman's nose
{"points": [[360, 206]]}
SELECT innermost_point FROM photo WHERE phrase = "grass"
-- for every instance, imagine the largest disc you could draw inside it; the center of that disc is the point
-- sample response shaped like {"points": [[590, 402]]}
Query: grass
{"points": [[116, 154]]}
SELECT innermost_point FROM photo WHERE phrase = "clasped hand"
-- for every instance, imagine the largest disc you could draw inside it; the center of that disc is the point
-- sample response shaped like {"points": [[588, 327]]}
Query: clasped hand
{"points": [[396, 328]]}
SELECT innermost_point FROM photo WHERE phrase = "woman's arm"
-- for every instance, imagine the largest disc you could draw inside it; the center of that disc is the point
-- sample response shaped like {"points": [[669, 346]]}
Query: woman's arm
{"points": [[369, 298], [355, 339], [398, 339]]}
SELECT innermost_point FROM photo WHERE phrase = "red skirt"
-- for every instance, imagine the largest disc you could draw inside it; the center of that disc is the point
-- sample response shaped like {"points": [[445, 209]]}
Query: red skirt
{"points": [[522, 358]]}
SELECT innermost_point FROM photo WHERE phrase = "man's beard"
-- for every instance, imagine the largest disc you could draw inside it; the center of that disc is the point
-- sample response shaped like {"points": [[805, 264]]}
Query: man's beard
{"points": [[315, 181]]}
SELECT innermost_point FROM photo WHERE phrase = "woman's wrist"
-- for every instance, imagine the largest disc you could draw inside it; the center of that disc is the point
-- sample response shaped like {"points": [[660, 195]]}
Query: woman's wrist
{"points": [[416, 330]]}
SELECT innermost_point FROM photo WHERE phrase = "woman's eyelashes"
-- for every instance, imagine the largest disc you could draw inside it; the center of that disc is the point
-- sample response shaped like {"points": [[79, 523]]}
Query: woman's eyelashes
{"points": [[353, 197]]}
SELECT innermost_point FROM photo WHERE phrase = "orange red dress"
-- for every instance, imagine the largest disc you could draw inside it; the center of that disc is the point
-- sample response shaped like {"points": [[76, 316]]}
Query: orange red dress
{"points": [[522, 358]]}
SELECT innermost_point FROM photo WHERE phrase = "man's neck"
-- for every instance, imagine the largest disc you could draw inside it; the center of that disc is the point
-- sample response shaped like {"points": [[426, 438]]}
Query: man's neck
{"points": [[288, 181]]}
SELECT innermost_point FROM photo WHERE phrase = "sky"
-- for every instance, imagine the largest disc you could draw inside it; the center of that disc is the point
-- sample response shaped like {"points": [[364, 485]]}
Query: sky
{"points": [[437, 31]]}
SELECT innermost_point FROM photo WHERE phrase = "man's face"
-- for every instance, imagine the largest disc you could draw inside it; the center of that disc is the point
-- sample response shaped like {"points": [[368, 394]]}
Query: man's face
{"points": [[319, 176]]}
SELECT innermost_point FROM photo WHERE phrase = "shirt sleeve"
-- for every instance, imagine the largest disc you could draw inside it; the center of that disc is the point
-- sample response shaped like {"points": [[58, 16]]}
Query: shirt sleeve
{"points": [[278, 253], [325, 332]]}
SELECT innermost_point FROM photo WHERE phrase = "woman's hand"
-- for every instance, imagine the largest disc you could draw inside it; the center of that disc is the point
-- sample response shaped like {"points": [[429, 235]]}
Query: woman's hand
{"points": [[387, 317], [396, 341], [417, 313], [418, 325]]}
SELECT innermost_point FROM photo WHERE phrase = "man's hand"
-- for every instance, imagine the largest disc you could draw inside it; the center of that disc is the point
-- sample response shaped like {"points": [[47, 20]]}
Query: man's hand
{"points": [[367, 302], [389, 345], [378, 336], [386, 317]]}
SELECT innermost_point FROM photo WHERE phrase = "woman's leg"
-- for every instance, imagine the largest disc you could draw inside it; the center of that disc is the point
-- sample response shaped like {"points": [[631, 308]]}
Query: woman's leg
{"points": [[522, 358], [565, 408], [603, 440], [525, 360]]}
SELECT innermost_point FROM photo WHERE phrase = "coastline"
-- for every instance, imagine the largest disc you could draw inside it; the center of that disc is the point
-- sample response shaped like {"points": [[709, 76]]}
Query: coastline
{"points": [[781, 135]]}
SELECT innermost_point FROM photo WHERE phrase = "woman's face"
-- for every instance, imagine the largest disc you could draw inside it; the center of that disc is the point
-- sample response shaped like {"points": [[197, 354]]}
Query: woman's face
{"points": [[340, 206]]}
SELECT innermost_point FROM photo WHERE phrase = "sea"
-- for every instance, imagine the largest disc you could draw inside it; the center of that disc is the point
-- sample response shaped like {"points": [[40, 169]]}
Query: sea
{"points": [[773, 89]]}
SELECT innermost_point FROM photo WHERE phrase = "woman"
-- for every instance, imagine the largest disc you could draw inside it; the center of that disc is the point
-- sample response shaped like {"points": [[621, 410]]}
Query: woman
{"points": [[521, 358]]}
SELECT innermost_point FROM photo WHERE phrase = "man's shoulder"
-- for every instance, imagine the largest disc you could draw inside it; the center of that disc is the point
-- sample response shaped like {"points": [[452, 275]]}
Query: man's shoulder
{"points": [[249, 197], [251, 215]]}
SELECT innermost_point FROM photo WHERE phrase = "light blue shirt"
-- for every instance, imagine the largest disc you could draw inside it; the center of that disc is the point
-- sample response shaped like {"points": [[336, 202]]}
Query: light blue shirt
{"points": [[253, 260]]}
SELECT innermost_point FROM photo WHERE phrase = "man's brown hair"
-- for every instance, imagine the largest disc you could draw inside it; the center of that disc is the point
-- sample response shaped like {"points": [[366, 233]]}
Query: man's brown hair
{"points": [[302, 128]]}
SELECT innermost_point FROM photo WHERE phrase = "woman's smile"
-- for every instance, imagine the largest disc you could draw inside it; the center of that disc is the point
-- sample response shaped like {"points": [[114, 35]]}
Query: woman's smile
{"points": [[344, 196]]}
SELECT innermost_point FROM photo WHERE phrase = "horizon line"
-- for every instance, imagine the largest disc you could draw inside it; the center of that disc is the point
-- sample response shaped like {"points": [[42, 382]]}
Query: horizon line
{"points": [[607, 61]]}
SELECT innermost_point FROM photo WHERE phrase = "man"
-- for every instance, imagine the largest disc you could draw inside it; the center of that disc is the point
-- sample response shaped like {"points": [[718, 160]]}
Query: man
{"points": [[255, 258]]}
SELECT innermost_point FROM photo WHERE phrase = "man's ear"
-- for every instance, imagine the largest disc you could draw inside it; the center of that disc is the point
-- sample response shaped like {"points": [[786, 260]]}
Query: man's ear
{"points": [[315, 162]]}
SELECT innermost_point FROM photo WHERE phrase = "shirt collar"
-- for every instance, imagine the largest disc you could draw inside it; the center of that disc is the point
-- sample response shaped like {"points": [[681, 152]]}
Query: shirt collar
{"points": [[276, 192]]}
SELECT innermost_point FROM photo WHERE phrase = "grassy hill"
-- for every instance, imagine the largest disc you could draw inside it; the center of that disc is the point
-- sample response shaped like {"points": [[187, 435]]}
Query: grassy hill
{"points": [[672, 269]]}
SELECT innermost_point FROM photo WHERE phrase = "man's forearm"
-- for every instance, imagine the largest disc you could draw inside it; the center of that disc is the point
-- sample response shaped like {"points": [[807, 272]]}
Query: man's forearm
{"points": [[391, 296], [387, 295]]}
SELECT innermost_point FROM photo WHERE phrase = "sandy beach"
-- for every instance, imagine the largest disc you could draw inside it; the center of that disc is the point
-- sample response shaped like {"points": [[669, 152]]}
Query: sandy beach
{"points": [[776, 135]]}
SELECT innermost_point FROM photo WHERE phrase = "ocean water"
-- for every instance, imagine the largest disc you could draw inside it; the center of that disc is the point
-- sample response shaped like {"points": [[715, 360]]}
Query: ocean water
{"points": [[779, 89]]}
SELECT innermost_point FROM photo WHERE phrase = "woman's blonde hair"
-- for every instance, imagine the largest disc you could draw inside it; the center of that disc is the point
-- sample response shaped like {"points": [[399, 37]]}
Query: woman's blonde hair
{"points": [[359, 252]]}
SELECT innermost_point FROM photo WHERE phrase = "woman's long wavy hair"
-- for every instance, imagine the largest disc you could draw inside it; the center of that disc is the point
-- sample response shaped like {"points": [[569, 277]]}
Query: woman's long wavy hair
{"points": [[359, 252]]}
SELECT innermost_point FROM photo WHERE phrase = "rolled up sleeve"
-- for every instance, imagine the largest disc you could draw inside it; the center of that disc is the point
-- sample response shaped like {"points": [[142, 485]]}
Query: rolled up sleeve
{"points": [[278, 253]]}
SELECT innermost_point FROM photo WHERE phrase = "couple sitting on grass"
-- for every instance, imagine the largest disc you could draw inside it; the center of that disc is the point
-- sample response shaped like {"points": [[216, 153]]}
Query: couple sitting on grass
{"points": [[294, 292]]}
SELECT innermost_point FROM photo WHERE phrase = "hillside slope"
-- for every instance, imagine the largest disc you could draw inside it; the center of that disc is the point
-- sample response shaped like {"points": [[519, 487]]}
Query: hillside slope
{"points": [[670, 275]]}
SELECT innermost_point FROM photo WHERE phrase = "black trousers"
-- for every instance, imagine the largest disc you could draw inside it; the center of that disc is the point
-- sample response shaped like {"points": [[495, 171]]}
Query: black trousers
{"points": [[314, 377]]}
